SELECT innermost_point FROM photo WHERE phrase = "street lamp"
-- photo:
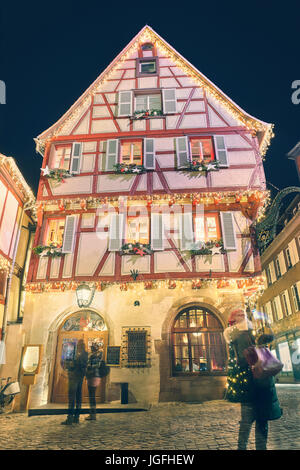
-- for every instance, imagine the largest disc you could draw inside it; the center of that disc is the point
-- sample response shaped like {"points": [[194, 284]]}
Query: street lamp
{"points": [[85, 295]]}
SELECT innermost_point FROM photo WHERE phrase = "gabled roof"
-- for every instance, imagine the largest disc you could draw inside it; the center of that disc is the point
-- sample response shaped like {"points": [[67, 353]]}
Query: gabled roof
{"points": [[264, 130], [295, 152], [9, 165]]}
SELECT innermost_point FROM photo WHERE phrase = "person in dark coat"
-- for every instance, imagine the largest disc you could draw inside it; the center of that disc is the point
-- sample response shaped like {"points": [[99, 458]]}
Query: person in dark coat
{"points": [[76, 369], [261, 403], [93, 377]]}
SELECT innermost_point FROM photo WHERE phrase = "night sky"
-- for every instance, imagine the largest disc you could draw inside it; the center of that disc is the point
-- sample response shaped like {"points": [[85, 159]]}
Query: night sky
{"points": [[52, 51]]}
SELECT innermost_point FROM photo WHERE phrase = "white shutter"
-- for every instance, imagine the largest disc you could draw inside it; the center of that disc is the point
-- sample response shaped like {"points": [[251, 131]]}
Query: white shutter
{"points": [[186, 231], [69, 234], [112, 147], [169, 100], [182, 152], [125, 103], [157, 232], [149, 154], [76, 158], [221, 150], [116, 232], [229, 237]]}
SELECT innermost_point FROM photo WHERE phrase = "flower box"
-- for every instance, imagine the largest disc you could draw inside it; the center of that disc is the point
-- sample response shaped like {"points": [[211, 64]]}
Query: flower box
{"points": [[51, 250], [135, 249], [132, 168], [148, 113], [203, 167]]}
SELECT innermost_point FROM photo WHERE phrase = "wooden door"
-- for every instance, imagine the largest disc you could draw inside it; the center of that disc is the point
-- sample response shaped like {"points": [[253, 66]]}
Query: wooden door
{"points": [[66, 345]]}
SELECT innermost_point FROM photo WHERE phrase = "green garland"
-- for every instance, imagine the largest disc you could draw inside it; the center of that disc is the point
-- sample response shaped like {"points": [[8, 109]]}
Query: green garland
{"points": [[51, 250], [203, 167], [206, 248], [58, 174], [144, 113]]}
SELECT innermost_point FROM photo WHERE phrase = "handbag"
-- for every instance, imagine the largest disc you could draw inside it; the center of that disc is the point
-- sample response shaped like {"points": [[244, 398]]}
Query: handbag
{"points": [[262, 362]]}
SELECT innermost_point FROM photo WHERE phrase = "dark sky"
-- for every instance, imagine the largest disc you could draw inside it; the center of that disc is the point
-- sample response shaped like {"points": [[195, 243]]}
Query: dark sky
{"points": [[52, 51]]}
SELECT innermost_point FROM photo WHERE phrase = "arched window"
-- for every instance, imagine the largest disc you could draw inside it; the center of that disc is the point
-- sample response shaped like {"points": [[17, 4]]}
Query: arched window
{"points": [[197, 342]]}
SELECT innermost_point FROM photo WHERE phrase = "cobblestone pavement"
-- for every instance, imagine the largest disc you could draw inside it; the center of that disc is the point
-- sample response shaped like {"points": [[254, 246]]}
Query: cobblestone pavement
{"points": [[167, 426]]}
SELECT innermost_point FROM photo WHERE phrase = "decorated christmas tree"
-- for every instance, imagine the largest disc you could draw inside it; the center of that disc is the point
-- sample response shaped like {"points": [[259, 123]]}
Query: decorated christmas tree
{"points": [[237, 379]]}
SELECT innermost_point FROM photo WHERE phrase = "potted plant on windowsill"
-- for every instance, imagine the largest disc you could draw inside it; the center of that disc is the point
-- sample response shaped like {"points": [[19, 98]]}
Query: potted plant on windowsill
{"points": [[51, 250], [131, 168], [136, 249]]}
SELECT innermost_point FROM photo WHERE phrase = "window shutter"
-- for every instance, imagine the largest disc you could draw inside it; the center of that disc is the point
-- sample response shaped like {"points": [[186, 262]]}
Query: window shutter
{"points": [[125, 103], [149, 154], [182, 152], [157, 233], [69, 234], [76, 158], [221, 151], [169, 101], [112, 147], [186, 231], [229, 238], [116, 232]]}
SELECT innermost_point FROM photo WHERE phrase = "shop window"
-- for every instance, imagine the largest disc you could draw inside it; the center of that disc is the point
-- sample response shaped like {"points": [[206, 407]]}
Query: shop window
{"points": [[202, 149], [132, 152], [207, 227], [285, 356], [136, 347], [197, 343], [55, 232]]}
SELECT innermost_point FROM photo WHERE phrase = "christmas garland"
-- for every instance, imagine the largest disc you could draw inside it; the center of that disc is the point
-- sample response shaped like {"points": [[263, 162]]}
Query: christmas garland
{"points": [[201, 167], [57, 174], [137, 249], [51, 250], [142, 114], [129, 169]]}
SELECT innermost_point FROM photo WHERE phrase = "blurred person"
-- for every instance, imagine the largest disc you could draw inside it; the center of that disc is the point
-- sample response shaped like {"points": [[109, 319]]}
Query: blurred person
{"points": [[93, 375], [260, 404], [76, 369]]}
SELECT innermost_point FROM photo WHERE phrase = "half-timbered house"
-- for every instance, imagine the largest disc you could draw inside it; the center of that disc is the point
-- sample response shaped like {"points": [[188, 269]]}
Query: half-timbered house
{"points": [[150, 183]]}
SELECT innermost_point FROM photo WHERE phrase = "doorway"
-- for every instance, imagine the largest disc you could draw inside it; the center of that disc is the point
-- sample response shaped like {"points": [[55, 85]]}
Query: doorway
{"points": [[84, 325]]}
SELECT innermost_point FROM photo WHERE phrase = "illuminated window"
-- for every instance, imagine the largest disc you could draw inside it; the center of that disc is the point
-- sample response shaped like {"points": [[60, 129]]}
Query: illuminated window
{"points": [[197, 341], [132, 152], [202, 149], [148, 102], [137, 230], [207, 228], [55, 232], [63, 157]]}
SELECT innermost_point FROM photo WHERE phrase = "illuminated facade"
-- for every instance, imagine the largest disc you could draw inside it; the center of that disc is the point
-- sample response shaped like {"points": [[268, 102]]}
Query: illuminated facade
{"points": [[150, 183]]}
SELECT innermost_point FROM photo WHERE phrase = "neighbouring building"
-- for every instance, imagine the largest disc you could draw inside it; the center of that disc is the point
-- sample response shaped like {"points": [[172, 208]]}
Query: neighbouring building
{"points": [[280, 300], [17, 225], [150, 184], [294, 154]]}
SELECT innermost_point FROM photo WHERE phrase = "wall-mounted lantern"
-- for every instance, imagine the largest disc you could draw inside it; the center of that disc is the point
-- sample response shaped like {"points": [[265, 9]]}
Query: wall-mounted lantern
{"points": [[85, 295]]}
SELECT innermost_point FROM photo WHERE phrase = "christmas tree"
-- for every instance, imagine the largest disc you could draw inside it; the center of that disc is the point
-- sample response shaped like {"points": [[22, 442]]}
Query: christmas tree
{"points": [[237, 380]]}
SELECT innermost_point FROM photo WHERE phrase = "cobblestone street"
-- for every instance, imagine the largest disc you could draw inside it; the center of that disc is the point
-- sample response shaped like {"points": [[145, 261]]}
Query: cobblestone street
{"points": [[172, 426]]}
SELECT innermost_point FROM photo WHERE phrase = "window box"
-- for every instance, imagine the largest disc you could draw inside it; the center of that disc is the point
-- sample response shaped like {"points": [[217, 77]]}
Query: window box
{"points": [[208, 248], [131, 168], [136, 249], [202, 167], [146, 114], [57, 174], [52, 251]]}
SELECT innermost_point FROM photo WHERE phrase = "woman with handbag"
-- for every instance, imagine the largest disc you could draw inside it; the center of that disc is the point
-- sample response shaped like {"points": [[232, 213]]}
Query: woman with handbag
{"points": [[261, 403], [93, 375]]}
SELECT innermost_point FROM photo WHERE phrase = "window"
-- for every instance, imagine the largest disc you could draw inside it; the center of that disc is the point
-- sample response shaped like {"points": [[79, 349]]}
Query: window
{"points": [[295, 295], [197, 341], [147, 47], [137, 230], [202, 150], [132, 152], [63, 157], [268, 274], [277, 268], [285, 303], [135, 347], [207, 227], [147, 67], [151, 102], [3, 278], [268, 311], [274, 309], [288, 258], [55, 232]]}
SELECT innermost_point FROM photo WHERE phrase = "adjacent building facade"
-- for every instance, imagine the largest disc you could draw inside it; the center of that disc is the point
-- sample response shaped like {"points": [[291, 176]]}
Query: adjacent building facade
{"points": [[150, 184], [17, 224]]}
